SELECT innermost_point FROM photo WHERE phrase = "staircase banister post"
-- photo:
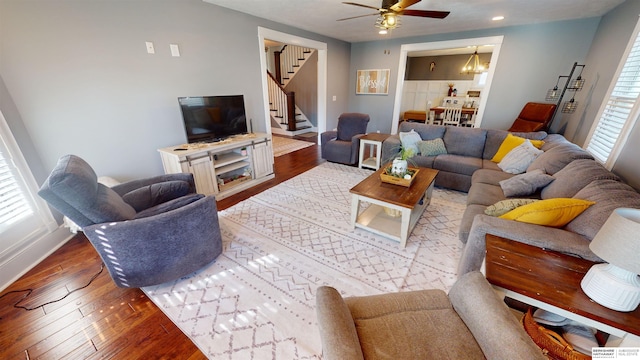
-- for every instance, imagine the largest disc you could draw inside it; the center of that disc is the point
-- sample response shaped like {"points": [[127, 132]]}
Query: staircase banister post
{"points": [[291, 111]]}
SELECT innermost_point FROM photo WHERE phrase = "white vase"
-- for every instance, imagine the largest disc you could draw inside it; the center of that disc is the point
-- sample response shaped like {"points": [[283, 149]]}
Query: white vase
{"points": [[399, 167]]}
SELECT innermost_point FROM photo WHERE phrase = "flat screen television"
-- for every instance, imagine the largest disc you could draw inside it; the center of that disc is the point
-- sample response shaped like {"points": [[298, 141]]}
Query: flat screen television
{"points": [[213, 118]]}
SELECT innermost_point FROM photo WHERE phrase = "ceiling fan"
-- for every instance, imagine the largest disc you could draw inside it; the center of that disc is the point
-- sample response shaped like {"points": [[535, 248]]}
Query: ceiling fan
{"points": [[390, 9]]}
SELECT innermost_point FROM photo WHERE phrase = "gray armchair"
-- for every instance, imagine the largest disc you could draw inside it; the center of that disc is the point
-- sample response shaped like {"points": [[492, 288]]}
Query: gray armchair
{"points": [[343, 146], [470, 323], [148, 231]]}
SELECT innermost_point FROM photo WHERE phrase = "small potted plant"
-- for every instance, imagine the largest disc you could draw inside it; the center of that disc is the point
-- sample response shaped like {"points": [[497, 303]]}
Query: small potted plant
{"points": [[400, 163]]}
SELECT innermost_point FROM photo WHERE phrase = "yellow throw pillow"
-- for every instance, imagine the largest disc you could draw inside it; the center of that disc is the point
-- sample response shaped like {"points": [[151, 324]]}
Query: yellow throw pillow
{"points": [[511, 142], [551, 212]]}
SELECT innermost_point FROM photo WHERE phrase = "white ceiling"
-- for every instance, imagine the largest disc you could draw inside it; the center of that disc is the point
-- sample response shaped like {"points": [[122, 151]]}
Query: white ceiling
{"points": [[319, 16]]}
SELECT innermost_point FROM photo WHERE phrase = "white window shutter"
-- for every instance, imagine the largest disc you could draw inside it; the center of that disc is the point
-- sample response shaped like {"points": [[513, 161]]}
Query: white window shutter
{"points": [[620, 110], [14, 206]]}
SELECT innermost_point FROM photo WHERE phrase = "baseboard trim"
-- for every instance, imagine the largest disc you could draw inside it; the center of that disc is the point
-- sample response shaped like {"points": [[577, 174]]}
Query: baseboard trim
{"points": [[31, 255]]}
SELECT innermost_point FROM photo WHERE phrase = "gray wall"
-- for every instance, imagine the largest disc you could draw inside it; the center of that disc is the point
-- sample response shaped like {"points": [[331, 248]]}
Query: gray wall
{"points": [[530, 60], [82, 82], [447, 67], [602, 61]]}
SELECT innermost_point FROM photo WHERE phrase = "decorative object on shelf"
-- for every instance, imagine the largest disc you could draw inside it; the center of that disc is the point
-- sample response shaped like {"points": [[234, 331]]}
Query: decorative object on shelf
{"points": [[571, 84], [616, 284], [451, 85], [473, 66]]}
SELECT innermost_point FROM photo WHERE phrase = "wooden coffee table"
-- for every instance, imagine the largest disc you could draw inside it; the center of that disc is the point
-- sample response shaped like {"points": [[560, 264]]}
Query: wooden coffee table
{"points": [[410, 202]]}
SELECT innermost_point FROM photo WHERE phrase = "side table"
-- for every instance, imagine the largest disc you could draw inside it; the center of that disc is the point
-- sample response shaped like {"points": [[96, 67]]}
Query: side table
{"points": [[551, 281], [373, 140]]}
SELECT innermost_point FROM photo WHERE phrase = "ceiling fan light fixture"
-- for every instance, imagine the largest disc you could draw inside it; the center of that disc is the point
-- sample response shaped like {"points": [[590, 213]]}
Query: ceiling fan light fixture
{"points": [[388, 21]]}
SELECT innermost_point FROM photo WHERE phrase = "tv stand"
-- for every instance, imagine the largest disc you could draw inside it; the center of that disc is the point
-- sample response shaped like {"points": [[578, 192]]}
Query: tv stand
{"points": [[225, 167]]}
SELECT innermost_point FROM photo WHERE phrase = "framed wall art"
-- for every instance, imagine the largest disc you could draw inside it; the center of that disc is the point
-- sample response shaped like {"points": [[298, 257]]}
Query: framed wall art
{"points": [[372, 82]]}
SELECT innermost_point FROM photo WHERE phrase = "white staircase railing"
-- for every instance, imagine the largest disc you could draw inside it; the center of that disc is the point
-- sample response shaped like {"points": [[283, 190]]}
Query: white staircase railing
{"points": [[277, 100], [291, 57], [284, 111]]}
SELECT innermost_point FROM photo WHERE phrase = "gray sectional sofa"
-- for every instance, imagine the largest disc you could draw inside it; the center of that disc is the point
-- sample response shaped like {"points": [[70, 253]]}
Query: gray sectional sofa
{"points": [[467, 166]]}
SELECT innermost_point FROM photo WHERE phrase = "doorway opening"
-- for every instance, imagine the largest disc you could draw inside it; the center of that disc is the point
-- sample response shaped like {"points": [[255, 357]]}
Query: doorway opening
{"points": [[444, 48], [265, 34]]}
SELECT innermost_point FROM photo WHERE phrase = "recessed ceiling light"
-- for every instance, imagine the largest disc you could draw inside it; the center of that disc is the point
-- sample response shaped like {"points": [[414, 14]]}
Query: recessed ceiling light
{"points": [[497, 18]]}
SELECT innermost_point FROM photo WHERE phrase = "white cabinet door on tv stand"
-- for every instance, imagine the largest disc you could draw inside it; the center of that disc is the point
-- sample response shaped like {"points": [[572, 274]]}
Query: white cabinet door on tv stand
{"points": [[262, 154], [203, 174], [223, 168]]}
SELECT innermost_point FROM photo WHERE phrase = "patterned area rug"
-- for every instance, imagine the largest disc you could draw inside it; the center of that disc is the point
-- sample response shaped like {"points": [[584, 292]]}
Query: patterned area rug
{"points": [[257, 300], [282, 145]]}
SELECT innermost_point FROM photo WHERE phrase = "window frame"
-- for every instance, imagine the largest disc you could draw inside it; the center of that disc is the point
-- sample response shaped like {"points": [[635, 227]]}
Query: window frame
{"points": [[621, 139], [41, 221]]}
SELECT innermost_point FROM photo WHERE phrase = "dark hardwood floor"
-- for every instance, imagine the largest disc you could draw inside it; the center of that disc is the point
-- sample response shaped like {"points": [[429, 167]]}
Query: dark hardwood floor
{"points": [[101, 320]]}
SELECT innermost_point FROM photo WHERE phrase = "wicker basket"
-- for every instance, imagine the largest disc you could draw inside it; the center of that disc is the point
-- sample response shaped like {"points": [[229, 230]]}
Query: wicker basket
{"points": [[553, 345]]}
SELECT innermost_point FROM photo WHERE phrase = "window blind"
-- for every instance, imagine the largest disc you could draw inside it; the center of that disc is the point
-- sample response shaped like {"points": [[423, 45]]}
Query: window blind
{"points": [[620, 108], [13, 204]]}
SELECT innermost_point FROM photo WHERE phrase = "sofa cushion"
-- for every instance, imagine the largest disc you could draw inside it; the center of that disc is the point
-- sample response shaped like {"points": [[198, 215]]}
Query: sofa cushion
{"points": [[608, 196], [426, 131], [425, 315], [484, 194], [525, 184], [504, 206], [509, 143], [493, 177], [465, 141], [352, 124], [154, 194], [457, 164], [551, 212], [169, 205], [575, 176], [73, 188], [410, 141], [519, 159], [422, 161], [553, 140], [432, 147], [556, 158], [490, 165]]}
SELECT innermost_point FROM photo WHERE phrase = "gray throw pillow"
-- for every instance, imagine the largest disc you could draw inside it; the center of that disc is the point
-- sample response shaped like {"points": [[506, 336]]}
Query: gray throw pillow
{"points": [[410, 140], [525, 184], [432, 147], [518, 160]]}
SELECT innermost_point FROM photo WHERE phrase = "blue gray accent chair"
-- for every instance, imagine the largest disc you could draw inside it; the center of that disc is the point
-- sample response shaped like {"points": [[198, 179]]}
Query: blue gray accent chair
{"points": [[147, 231], [343, 145]]}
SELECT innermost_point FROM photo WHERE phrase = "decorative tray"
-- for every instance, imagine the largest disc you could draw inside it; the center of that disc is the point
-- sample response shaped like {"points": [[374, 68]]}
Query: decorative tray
{"points": [[391, 179]]}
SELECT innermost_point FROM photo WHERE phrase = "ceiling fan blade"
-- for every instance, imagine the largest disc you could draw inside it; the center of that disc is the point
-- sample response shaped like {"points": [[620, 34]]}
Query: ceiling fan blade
{"points": [[426, 13], [403, 4], [361, 5], [359, 16]]}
